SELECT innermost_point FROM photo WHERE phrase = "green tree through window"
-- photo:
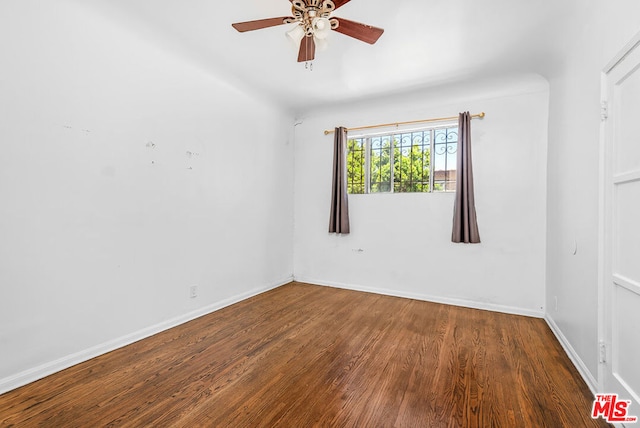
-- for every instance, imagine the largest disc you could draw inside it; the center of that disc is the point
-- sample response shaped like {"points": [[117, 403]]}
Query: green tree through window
{"points": [[355, 165], [408, 155]]}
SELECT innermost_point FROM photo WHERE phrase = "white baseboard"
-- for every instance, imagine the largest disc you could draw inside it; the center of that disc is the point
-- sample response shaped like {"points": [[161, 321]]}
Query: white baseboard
{"points": [[46, 369], [429, 298], [589, 379]]}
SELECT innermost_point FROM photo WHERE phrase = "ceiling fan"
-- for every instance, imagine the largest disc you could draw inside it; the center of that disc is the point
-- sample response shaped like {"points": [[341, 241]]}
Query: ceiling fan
{"points": [[314, 22]]}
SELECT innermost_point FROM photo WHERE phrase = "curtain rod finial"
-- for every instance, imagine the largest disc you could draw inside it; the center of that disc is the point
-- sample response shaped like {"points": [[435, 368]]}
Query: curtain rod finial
{"points": [[481, 115]]}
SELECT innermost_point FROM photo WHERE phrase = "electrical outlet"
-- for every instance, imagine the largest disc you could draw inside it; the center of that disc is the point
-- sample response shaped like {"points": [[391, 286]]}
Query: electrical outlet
{"points": [[193, 291]]}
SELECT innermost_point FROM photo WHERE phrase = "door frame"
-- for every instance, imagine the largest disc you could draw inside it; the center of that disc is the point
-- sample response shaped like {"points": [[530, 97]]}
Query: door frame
{"points": [[605, 249]]}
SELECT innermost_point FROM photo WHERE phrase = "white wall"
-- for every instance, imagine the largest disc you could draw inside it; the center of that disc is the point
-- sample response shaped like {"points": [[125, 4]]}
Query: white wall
{"points": [[598, 31], [101, 236], [400, 244]]}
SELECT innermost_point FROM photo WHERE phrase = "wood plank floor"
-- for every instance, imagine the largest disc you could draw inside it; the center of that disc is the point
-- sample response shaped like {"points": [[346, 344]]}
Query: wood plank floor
{"points": [[304, 355]]}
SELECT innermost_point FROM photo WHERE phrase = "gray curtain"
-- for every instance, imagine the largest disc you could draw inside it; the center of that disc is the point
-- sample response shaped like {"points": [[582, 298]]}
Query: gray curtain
{"points": [[339, 218], [465, 224]]}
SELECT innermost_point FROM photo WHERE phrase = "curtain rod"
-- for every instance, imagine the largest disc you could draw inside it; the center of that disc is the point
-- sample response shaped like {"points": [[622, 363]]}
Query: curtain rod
{"points": [[437, 119]]}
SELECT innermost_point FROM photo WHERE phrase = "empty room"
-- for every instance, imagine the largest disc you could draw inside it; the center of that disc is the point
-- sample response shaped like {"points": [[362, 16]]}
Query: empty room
{"points": [[332, 213]]}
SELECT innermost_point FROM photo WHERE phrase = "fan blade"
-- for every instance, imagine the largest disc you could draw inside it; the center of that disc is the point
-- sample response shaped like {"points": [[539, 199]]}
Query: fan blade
{"points": [[307, 49], [259, 24], [359, 31], [340, 3]]}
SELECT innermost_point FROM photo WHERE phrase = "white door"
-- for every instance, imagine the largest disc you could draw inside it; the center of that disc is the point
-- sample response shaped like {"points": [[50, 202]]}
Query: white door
{"points": [[620, 231]]}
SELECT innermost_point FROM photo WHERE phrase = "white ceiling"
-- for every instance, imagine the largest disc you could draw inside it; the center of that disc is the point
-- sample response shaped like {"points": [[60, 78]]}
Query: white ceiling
{"points": [[426, 43]]}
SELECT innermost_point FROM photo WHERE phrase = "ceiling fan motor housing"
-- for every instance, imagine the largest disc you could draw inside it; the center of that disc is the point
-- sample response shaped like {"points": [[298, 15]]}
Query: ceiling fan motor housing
{"points": [[308, 11], [318, 5]]}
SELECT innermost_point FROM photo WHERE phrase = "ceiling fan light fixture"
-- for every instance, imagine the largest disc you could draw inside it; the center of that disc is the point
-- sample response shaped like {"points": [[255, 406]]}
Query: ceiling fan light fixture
{"points": [[321, 44], [321, 27], [295, 35]]}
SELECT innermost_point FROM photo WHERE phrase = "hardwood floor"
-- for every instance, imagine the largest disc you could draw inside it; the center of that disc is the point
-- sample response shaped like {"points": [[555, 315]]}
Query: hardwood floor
{"points": [[304, 355]]}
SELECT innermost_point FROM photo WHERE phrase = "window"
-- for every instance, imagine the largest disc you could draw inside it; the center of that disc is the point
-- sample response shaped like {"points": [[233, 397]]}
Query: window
{"points": [[409, 161]]}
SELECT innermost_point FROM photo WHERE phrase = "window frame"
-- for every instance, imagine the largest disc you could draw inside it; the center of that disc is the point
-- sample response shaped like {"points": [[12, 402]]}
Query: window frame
{"points": [[366, 138]]}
